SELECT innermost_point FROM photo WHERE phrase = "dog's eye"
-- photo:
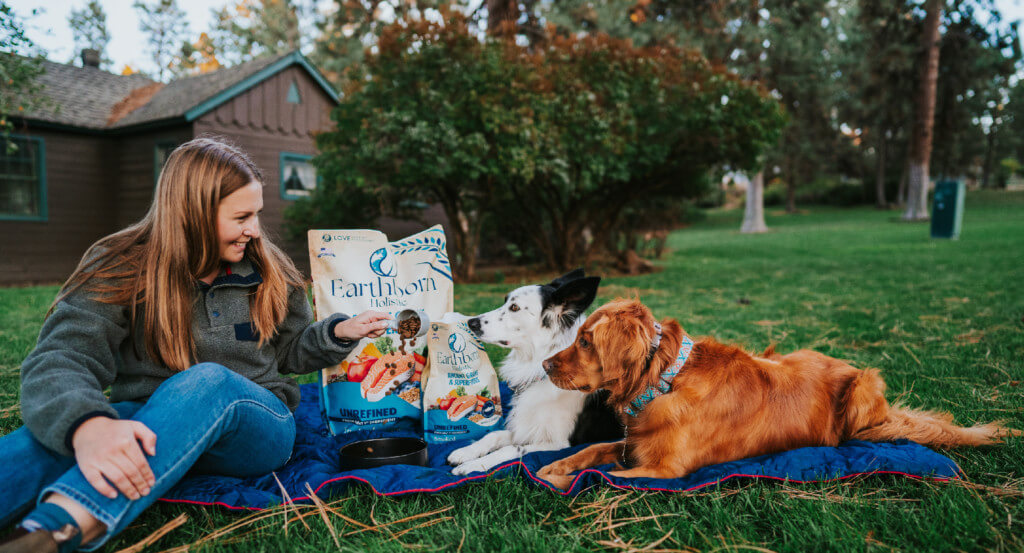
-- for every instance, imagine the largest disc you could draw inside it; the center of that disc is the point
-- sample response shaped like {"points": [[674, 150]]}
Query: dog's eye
{"points": [[584, 343], [513, 308]]}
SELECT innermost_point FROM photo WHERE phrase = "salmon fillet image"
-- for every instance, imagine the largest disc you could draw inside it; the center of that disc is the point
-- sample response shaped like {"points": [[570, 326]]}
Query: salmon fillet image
{"points": [[385, 375]]}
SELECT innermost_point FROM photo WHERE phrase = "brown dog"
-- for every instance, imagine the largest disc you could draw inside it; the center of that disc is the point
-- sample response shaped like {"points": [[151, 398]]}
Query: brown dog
{"points": [[725, 404]]}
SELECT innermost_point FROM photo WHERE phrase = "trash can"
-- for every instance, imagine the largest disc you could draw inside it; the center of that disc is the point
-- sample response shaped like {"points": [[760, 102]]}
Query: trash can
{"points": [[948, 209]]}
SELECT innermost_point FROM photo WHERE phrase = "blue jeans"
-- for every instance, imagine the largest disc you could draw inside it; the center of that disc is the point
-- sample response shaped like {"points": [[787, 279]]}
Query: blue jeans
{"points": [[207, 419]]}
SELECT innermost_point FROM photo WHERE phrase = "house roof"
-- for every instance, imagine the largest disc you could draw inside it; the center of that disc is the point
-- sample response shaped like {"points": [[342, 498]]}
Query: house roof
{"points": [[95, 99], [82, 96]]}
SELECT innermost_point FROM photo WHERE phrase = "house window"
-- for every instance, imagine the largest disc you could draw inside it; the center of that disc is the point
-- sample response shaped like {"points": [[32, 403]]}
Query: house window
{"points": [[161, 151], [298, 176], [23, 179]]}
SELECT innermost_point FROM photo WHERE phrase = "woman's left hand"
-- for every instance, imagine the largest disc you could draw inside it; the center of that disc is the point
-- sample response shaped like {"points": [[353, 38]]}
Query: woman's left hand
{"points": [[368, 324]]}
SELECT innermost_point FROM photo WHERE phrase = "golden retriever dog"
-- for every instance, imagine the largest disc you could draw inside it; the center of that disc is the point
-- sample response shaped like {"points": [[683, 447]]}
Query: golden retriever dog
{"points": [[724, 404]]}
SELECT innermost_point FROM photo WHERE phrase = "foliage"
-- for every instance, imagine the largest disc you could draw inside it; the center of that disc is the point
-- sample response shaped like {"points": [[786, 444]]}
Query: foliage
{"points": [[978, 58], [845, 71], [350, 27], [20, 65], [557, 140], [251, 28], [164, 24], [422, 125], [89, 30], [196, 57], [339, 204]]}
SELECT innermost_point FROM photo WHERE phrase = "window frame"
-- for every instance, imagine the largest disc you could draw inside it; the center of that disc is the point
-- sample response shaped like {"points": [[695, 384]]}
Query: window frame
{"points": [[43, 215], [157, 167], [292, 156]]}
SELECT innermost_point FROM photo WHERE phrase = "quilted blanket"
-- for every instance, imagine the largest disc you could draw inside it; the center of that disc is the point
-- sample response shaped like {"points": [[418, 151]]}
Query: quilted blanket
{"points": [[315, 461]]}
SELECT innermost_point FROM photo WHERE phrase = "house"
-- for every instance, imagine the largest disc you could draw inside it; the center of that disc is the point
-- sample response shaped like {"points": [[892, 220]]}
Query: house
{"points": [[87, 163]]}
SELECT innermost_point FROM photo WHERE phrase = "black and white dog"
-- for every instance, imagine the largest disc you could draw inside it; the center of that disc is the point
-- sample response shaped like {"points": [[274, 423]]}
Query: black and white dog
{"points": [[536, 322]]}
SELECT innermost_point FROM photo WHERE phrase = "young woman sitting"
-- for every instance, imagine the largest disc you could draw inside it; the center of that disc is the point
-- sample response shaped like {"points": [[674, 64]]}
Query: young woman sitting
{"points": [[189, 317]]}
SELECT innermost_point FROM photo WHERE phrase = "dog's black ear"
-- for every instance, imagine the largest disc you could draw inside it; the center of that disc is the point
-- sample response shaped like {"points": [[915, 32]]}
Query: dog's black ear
{"points": [[575, 295], [571, 275]]}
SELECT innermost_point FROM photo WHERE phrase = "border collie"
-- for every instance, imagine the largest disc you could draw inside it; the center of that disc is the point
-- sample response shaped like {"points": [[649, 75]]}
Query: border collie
{"points": [[536, 322]]}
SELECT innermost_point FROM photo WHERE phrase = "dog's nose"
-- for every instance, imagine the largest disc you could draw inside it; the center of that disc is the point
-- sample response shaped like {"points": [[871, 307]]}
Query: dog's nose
{"points": [[474, 325], [549, 365]]}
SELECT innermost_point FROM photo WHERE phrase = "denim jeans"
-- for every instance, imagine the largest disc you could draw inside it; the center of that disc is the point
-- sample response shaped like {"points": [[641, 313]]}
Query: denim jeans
{"points": [[207, 419]]}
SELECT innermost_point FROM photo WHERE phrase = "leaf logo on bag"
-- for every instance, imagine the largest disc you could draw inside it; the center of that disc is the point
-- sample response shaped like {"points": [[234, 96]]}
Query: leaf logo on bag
{"points": [[382, 264], [457, 343]]}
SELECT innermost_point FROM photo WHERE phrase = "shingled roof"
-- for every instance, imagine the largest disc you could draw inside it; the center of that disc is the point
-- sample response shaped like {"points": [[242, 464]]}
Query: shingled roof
{"points": [[82, 96], [95, 99]]}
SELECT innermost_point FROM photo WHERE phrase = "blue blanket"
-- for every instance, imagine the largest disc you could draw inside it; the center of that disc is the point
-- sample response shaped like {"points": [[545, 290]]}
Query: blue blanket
{"points": [[315, 461]]}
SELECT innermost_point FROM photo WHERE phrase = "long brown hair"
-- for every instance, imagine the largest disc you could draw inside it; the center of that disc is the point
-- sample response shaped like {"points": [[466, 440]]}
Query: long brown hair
{"points": [[152, 266]]}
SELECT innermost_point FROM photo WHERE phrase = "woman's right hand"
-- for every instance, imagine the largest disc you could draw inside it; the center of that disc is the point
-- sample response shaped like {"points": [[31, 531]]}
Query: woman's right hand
{"points": [[108, 449]]}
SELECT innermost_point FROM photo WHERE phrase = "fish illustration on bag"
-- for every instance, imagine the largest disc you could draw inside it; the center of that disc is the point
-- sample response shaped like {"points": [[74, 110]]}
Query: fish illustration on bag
{"points": [[386, 374]]}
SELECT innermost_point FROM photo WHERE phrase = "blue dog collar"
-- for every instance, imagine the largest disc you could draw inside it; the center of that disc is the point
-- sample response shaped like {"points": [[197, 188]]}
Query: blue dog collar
{"points": [[664, 382]]}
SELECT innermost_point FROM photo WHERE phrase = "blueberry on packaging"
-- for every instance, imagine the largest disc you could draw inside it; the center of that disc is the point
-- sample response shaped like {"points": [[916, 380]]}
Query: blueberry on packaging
{"points": [[461, 397], [377, 387]]}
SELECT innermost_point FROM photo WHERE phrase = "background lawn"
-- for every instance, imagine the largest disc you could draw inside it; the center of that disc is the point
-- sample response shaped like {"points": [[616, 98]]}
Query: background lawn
{"points": [[943, 319]]}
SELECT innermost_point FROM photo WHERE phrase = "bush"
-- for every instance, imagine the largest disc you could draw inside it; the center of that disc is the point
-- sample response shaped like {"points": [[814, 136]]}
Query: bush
{"points": [[546, 145]]}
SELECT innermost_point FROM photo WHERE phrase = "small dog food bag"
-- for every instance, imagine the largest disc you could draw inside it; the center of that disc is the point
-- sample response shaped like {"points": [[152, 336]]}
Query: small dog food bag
{"points": [[461, 398], [378, 385]]}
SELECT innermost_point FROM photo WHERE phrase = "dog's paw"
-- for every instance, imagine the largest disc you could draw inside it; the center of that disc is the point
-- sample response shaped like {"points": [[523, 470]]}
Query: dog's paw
{"points": [[470, 467], [554, 469], [462, 455], [560, 481]]}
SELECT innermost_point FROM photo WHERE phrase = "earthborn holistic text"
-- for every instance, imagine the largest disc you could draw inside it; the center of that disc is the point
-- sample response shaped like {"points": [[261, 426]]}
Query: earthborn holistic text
{"points": [[378, 385]]}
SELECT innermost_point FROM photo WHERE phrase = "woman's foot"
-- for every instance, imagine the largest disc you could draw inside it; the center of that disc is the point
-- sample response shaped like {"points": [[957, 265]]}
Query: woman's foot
{"points": [[23, 541], [48, 528]]}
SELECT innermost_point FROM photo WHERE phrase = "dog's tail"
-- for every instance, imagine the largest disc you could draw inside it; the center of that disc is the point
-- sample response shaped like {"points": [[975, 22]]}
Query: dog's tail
{"points": [[933, 428]]}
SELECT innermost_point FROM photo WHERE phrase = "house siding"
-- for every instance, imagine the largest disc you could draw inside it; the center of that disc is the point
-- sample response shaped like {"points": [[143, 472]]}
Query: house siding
{"points": [[79, 190], [135, 174], [98, 184], [264, 124]]}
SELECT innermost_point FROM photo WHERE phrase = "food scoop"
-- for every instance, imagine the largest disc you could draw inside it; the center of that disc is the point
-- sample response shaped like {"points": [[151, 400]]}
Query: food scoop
{"points": [[404, 323]]}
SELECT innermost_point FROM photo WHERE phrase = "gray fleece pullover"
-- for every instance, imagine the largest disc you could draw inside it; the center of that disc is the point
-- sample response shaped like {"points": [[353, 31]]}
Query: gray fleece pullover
{"points": [[85, 347]]}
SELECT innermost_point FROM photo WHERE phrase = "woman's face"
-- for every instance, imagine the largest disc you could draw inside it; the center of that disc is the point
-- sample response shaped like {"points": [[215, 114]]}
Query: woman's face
{"points": [[238, 221]]}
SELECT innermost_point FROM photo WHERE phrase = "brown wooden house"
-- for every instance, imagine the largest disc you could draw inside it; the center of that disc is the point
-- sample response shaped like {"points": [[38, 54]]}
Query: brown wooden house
{"points": [[86, 165]]}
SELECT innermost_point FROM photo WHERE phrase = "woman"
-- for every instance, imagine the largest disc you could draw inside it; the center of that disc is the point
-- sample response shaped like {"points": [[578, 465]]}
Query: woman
{"points": [[189, 317]]}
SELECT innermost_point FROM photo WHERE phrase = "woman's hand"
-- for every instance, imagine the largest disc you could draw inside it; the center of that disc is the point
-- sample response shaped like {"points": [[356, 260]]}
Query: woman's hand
{"points": [[368, 324], [108, 449]]}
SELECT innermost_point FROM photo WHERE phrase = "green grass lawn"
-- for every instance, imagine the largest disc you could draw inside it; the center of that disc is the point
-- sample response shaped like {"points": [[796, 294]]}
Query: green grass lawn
{"points": [[942, 319]]}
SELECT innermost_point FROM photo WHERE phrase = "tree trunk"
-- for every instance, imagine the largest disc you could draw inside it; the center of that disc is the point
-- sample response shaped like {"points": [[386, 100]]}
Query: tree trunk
{"points": [[986, 168], [753, 215], [901, 191], [880, 201], [790, 195], [921, 142], [464, 260], [501, 17]]}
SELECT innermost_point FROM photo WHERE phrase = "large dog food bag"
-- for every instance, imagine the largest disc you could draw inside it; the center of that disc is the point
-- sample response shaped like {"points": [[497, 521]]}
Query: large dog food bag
{"points": [[378, 385], [461, 398]]}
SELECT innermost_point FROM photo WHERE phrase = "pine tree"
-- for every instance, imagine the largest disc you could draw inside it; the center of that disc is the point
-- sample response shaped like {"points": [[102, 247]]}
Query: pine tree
{"points": [[20, 65], [165, 27], [89, 30]]}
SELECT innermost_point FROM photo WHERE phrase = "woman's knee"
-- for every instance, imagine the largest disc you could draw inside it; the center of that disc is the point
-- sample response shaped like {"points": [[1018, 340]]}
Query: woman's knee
{"points": [[204, 382]]}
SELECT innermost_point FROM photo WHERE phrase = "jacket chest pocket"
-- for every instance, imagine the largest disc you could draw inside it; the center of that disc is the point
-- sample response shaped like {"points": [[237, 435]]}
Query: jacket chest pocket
{"points": [[246, 332]]}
